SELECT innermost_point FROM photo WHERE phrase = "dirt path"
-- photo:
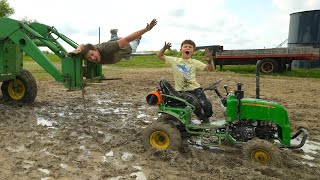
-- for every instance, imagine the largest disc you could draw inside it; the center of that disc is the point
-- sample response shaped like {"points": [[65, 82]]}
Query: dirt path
{"points": [[63, 136]]}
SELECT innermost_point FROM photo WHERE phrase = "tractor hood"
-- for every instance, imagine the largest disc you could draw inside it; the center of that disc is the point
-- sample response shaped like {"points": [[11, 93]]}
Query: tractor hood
{"points": [[257, 109]]}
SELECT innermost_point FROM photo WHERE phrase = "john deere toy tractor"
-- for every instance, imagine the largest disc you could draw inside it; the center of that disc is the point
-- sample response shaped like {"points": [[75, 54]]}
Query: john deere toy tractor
{"points": [[260, 127]]}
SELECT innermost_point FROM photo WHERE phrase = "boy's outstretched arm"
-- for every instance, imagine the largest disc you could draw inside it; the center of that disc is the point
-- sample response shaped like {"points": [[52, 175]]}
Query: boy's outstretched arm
{"points": [[210, 66], [79, 49], [163, 50], [126, 40]]}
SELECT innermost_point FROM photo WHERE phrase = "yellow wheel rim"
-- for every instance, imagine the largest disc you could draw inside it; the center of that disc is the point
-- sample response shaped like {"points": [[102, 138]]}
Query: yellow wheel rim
{"points": [[160, 140], [261, 156], [18, 92]]}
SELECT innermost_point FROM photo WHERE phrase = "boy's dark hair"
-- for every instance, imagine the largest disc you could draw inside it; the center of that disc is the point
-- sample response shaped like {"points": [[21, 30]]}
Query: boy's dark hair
{"points": [[188, 41], [86, 49]]}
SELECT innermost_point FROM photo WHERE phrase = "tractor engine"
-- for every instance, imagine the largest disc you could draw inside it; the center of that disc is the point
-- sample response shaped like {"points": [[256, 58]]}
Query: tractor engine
{"points": [[245, 130], [266, 130], [242, 131]]}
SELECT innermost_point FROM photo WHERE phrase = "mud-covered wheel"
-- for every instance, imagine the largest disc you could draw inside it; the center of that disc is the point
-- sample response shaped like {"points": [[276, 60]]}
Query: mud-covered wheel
{"points": [[268, 65], [25, 91], [172, 120], [261, 151], [166, 117], [162, 135]]}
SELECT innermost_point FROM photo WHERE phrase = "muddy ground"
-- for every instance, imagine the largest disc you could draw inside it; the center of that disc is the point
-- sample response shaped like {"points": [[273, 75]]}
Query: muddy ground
{"points": [[63, 136]]}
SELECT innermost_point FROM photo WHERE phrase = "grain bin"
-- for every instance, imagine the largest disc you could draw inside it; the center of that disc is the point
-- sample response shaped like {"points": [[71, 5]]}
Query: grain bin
{"points": [[304, 30]]}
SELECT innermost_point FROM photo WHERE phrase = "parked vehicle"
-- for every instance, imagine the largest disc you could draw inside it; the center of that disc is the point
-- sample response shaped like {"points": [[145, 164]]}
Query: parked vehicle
{"points": [[268, 60]]}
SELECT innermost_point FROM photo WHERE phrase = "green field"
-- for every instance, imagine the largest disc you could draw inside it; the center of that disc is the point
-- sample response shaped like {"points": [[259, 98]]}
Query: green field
{"points": [[153, 62]]}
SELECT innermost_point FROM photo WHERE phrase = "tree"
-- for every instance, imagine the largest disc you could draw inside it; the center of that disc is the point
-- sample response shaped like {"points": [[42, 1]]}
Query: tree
{"points": [[5, 9], [26, 20]]}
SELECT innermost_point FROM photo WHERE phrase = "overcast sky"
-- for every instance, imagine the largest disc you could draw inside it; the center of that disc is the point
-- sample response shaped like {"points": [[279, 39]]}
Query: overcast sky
{"points": [[235, 24]]}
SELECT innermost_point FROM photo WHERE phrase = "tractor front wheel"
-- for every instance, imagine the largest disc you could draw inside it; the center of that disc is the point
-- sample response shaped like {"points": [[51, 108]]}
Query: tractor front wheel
{"points": [[261, 151], [25, 89], [162, 135]]}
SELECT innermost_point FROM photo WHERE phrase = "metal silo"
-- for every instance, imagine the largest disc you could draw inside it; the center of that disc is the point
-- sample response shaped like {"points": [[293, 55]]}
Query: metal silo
{"points": [[304, 30]]}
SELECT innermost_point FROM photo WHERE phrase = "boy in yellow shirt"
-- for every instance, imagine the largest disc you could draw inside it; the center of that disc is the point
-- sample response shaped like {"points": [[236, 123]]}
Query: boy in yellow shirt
{"points": [[184, 72]]}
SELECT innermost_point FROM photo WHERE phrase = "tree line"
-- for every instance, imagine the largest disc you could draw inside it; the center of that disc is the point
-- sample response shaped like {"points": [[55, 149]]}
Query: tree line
{"points": [[5, 9]]}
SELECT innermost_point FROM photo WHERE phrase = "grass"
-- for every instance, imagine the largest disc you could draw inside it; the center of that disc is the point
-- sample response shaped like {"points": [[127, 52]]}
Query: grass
{"points": [[154, 62], [295, 72], [141, 62], [52, 57], [36, 70]]}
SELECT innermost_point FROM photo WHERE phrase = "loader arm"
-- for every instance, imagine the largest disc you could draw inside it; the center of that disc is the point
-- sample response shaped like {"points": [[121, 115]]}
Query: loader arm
{"points": [[29, 37]]}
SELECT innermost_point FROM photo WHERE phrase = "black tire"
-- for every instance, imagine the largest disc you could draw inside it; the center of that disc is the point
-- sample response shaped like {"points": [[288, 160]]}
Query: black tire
{"points": [[268, 65], [262, 152], [26, 91], [162, 135]]}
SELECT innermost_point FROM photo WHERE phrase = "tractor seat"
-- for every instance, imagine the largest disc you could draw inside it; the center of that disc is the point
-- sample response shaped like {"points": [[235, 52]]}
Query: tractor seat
{"points": [[167, 89]]}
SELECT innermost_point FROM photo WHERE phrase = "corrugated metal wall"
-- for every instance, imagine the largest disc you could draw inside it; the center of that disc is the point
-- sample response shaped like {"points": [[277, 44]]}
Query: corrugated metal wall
{"points": [[304, 30]]}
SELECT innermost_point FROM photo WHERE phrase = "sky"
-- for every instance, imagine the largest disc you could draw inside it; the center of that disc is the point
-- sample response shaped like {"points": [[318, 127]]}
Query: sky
{"points": [[234, 24]]}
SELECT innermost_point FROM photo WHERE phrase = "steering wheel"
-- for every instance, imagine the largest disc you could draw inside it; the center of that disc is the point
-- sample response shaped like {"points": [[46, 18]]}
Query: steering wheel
{"points": [[213, 86]]}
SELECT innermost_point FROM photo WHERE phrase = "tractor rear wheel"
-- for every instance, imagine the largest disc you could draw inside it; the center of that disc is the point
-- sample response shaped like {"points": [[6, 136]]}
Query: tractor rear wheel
{"points": [[261, 151], [25, 90], [162, 135], [173, 120]]}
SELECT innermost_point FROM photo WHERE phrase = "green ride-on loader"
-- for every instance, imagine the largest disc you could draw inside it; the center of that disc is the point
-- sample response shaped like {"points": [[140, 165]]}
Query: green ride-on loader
{"points": [[260, 127], [18, 38]]}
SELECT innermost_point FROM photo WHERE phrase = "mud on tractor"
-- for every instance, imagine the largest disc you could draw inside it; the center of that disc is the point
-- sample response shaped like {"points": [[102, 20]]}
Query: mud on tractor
{"points": [[17, 38], [260, 127]]}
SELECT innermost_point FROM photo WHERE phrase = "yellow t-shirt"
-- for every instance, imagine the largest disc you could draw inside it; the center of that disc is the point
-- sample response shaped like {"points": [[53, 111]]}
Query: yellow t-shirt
{"points": [[184, 72]]}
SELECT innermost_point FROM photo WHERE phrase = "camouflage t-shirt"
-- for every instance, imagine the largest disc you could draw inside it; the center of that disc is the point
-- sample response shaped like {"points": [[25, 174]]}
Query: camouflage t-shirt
{"points": [[111, 53], [184, 72]]}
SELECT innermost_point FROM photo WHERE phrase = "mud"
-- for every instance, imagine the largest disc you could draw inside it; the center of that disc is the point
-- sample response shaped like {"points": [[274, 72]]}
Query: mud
{"points": [[65, 136]]}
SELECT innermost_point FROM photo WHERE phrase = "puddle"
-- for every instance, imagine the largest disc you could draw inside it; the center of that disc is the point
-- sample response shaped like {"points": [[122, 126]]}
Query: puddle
{"points": [[126, 156], [311, 147], [103, 101], [219, 122], [141, 116], [107, 157], [46, 171], [44, 122], [311, 152], [112, 110]]}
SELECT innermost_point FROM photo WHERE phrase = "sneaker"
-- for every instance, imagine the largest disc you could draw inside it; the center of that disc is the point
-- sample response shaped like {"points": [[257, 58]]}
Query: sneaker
{"points": [[114, 31], [205, 120]]}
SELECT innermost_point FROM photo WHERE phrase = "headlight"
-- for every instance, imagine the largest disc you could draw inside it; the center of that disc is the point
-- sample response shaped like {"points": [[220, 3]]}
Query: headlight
{"points": [[154, 98]]}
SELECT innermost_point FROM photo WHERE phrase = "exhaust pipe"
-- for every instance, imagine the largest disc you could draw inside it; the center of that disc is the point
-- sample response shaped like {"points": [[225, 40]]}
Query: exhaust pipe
{"points": [[257, 81]]}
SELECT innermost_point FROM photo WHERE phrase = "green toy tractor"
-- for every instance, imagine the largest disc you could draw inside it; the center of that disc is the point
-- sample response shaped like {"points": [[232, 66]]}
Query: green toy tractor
{"points": [[260, 127]]}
